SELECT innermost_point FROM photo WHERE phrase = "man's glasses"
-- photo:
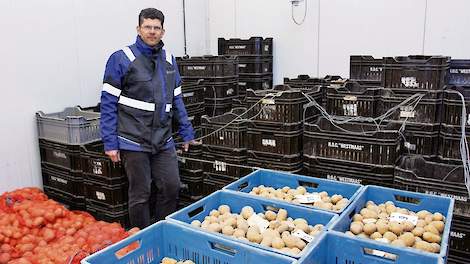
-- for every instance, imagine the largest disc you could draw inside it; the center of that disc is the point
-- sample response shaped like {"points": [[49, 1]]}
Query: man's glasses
{"points": [[149, 28]]}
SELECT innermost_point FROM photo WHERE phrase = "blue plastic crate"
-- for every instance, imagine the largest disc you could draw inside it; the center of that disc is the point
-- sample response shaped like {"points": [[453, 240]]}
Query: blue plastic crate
{"points": [[168, 239], [202, 208], [335, 248], [278, 179], [409, 200]]}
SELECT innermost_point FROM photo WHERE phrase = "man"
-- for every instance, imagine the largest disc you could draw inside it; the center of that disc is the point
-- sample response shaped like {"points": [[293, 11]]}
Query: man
{"points": [[141, 94]]}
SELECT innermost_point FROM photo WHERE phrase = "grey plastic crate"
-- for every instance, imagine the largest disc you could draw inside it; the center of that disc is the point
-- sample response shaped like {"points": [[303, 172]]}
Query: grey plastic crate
{"points": [[72, 126]]}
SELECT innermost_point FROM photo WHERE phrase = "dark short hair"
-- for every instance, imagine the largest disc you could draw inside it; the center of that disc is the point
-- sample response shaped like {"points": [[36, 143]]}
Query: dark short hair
{"points": [[151, 13]]}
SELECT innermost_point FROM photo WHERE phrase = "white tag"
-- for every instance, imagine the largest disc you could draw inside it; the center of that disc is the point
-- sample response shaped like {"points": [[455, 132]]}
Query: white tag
{"points": [[97, 167], [301, 234], [407, 114], [308, 198], [100, 195], [410, 146], [168, 108], [220, 166], [221, 138], [241, 65], [268, 101], [242, 83], [59, 154], [230, 91], [266, 47], [350, 109], [188, 94], [259, 222], [350, 98], [409, 82], [268, 142], [397, 217]]}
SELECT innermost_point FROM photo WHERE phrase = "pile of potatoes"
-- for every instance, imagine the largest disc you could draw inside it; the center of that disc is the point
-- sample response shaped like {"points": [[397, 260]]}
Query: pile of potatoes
{"points": [[278, 235], [373, 222], [167, 260], [335, 203]]}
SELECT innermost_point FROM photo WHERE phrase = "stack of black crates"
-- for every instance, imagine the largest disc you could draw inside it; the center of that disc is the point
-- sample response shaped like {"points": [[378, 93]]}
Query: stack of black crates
{"points": [[219, 75], [224, 149], [255, 63], [193, 98], [75, 170]]}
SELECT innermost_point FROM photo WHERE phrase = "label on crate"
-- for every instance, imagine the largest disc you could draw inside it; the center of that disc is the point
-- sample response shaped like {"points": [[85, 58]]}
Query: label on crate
{"points": [[220, 166], [350, 109], [241, 65], [100, 196], [407, 112], [461, 71], [345, 146], [196, 68], [343, 179], [221, 138], [410, 82], [266, 47], [256, 220], [397, 217], [308, 198], [242, 83], [457, 234], [268, 142], [375, 69], [230, 91], [410, 146], [191, 94], [453, 196], [268, 101], [350, 98], [302, 235], [97, 167], [59, 154], [57, 179], [237, 46]]}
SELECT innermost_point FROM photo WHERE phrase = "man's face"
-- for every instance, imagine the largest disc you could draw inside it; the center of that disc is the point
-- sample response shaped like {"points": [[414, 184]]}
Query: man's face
{"points": [[151, 31]]}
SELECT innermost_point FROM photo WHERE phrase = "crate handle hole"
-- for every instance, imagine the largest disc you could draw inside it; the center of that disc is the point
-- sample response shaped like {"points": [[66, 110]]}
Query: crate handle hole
{"points": [[407, 199], [195, 211], [128, 249], [309, 184], [380, 254], [223, 248], [242, 186]]}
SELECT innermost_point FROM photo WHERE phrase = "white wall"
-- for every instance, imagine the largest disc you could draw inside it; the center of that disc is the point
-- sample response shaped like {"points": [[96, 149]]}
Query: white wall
{"points": [[335, 29], [53, 55]]}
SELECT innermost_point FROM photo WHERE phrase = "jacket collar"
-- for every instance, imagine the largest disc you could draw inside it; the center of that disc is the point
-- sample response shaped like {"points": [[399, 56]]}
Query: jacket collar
{"points": [[146, 49]]}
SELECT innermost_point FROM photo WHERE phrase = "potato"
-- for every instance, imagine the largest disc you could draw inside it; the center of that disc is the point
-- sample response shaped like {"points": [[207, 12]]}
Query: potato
{"points": [[167, 260], [300, 244], [439, 225], [382, 227], [390, 208], [254, 237], [369, 228], [396, 228], [314, 232], [398, 243], [295, 251], [215, 227], [436, 248], [301, 190], [239, 233], [422, 214], [350, 233], [274, 224], [408, 238], [213, 219], [231, 222], [261, 215], [224, 209], [318, 227], [375, 235], [383, 215], [278, 243], [302, 226], [196, 223], [267, 241], [356, 228], [242, 224], [255, 190], [336, 198], [343, 202], [421, 223], [423, 245], [247, 211], [270, 215], [228, 230], [283, 227], [418, 231], [362, 235], [285, 189], [437, 217], [205, 224], [366, 213], [297, 221], [428, 219], [370, 203], [214, 213], [289, 241], [390, 236], [270, 233], [432, 229], [431, 237]]}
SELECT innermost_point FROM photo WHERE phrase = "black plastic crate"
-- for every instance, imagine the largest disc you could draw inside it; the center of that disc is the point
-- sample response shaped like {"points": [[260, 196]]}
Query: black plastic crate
{"points": [[416, 72], [421, 139], [288, 163], [214, 182], [103, 214], [364, 67], [191, 183], [459, 244], [106, 194], [251, 46], [255, 65], [72, 202], [59, 155], [348, 171], [98, 165], [96, 108], [452, 105], [188, 159], [66, 181], [449, 142], [219, 90], [194, 116], [280, 140], [434, 176], [239, 102], [309, 84], [193, 92], [350, 98], [264, 82], [428, 110], [216, 107], [225, 161], [281, 104], [227, 130], [186, 201], [459, 72], [208, 67], [352, 141]]}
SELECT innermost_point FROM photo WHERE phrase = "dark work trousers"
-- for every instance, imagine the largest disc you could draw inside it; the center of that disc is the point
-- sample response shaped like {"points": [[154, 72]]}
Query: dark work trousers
{"points": [[142, 168]]}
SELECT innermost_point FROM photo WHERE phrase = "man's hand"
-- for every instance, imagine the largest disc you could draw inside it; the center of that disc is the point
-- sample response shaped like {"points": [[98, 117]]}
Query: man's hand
{"points": [[186, 144], [113, 155]]}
